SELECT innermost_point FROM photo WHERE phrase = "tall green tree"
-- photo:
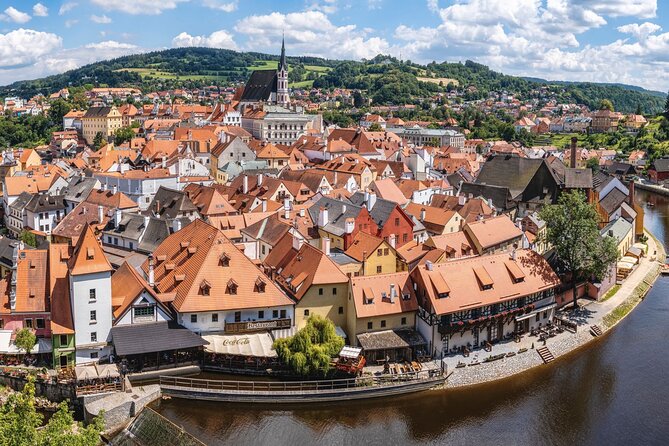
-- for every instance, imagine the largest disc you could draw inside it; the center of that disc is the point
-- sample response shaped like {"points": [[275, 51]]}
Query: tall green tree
{"points": [[28, 238], [666, 107], [122, 135], [59, 108], [99, 141], [311, 349], [605, 104], [25, 340], [572, 230], [19, 423], [593, 163]]}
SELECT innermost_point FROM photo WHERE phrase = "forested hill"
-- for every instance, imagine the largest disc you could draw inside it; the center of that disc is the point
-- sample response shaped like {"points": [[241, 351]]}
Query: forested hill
{"points": [[385, 79]]}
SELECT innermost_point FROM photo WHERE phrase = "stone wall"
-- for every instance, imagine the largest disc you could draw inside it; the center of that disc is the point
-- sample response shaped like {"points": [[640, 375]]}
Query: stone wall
{"points": [[50, 391], [119, 407]]}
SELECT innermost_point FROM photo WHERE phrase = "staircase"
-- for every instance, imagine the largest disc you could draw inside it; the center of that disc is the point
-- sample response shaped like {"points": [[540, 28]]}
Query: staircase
{"points": [[596, 331], [545, 354]]}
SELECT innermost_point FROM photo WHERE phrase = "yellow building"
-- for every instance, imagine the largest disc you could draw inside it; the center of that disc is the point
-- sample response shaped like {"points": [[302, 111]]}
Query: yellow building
{"points": [[377, 255], [382, 308], [104, 120]]}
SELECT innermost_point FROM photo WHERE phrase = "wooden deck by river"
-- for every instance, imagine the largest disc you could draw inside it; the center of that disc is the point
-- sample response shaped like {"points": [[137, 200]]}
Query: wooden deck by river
{"points": [[301, 391]]}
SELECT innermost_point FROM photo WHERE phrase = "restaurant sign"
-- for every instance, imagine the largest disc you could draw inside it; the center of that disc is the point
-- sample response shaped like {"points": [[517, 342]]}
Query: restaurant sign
{"points": [[243, 327]]}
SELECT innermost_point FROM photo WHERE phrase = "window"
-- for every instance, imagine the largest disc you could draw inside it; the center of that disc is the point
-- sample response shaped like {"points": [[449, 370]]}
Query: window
{"points": [[91, 294], [144, 312], [28, 323], [193, 318], [2, 323], [63, 340], [403, 321], [379, 252], [263, 249], [94, 336], [94, 355], [386, 251], [545, 314], [341, 310], [537, 318], [261, 314], [94, 316], [39, 323], [383, 323], [320, 291], [405, 237], [378, 269], [397, 221], [370, 325], [306, 312], [275, 314], [214, 317], [238, 316], [283, 314], [334, 291]]}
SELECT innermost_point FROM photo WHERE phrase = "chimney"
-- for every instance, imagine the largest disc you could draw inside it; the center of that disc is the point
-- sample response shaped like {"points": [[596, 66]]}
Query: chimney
{"points": [[371, 201], [392, 239], [103, 187], [286, 208], [325, 245], [117, 218], [572, 162], [245, 184], [263, 204], [297, 243], [343, 209], [101, 213], [259, 179], [422, 214], [85, 210], [349, 225], [428, 265], [630, 198], [114, 189], [302, 212], [610, 232], [163, 162], [176, 225], [146, 221], [393, 293], [151, 272], [462, 200], [322, 217]]}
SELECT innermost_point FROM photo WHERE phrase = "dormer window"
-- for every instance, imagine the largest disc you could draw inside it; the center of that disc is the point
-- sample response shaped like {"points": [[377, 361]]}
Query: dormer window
{"points": [[161, 258], [260, 285], [192, 250], [169, 266], [232, 287], [179, 278], [224, 260], [184, 245], [90, 254], [205, 288]]}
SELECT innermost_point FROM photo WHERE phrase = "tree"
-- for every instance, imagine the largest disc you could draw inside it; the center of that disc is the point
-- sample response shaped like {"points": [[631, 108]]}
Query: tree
{"points": [[98, 141], [28, 238], [375, 127], [666, 107], [358, 100], [606, 104], [122, 135], [639, 109], [25, 340], [593, 163], [59, 108], [571, 228], [19, 423], [311, 349]]}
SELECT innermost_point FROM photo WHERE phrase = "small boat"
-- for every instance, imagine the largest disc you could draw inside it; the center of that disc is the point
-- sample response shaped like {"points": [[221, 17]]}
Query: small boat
{"points": [[665, 269], [650, 205]]}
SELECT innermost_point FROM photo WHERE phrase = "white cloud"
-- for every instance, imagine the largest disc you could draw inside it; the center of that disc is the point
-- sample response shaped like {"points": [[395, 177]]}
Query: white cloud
{"points": [[374, 4], [39, 10], [147, 7], [225, 6], [71, 23], [324, 6], [310, 33], [26, 46], [16, 16], [65, 7], [640, 31], [217, 39], [100, 19]]}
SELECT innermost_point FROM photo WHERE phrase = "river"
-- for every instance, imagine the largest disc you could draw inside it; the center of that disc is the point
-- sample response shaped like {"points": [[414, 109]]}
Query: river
{"points": [[614, 391]]}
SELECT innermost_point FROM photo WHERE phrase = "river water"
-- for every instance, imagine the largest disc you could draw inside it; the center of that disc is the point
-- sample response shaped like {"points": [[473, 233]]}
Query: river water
{"points": [[612, 392]]}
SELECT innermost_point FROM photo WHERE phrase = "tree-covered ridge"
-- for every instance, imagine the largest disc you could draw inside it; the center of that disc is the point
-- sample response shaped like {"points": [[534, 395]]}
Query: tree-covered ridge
{"points": [[385, 79]]}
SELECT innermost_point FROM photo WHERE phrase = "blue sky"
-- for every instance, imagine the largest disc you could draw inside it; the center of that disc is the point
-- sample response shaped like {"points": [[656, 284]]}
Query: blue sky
{"points": [[595, 40]]}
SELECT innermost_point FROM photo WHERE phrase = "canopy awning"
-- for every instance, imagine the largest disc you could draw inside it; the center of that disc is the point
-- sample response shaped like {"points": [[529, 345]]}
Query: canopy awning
{"points": [[350, 352], [107, 370], [153, 337], [8, 347], [532, 313], [84, 372], [340, 332], [248, 344], [390, 339]]}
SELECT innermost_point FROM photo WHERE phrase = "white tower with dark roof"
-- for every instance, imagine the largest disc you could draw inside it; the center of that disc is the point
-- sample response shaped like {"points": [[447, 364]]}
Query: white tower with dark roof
{"points": [[282, 97]]}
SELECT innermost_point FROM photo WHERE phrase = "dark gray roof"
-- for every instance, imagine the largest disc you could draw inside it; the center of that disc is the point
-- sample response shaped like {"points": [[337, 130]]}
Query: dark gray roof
{"points": [[131, 226], [156, 231], [97, 112], [136, 339], [390, 339], [336, 216], [260, 86], [169, 203], [21, 201], [600, 180], [381, 210], [7, 250], [618, 229], [511, 172], [45, 203], [613, 200], [617, 168], [79, 188], [500, 196], [577, 178], [661, 165]]}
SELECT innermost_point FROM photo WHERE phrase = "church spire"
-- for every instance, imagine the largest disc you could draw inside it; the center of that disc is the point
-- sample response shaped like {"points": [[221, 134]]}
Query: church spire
{"points": [[282, 61]]}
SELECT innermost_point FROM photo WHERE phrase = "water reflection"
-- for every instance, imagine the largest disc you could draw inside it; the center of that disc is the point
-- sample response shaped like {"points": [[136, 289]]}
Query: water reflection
{"points": [[613, 392]]}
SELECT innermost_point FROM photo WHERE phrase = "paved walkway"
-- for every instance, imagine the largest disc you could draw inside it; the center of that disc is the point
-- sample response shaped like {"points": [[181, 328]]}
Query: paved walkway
{"points": [[525, 356]]}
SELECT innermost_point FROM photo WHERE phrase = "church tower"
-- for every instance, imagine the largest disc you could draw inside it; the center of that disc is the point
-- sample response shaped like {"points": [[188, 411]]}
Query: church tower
{"points": [[282, 98]]}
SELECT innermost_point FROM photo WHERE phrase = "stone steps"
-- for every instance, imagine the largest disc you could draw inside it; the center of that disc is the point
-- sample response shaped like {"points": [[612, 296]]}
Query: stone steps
{"points": [[545, 354], [596, 331]]}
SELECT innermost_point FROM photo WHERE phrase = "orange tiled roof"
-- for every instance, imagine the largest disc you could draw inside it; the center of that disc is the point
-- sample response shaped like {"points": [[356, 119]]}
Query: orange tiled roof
{"points": [[88, 257], [368, 292], [59, 284]]}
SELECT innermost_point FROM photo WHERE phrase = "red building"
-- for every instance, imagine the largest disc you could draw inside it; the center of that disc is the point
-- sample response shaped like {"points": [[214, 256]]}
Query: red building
{"points": [[658, 171]]}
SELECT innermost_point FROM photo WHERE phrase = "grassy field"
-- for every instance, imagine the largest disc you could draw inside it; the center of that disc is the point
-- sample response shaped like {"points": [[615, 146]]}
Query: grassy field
{"points": [[439, 80], [161, 74]]}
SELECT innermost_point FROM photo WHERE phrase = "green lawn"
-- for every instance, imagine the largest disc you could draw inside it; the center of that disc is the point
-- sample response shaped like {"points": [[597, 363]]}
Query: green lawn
{"points": [[161, 74], [614, 289]]}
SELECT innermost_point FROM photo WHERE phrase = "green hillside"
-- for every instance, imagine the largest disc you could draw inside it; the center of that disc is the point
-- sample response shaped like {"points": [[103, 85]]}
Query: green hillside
{"points": [[385, 79]]}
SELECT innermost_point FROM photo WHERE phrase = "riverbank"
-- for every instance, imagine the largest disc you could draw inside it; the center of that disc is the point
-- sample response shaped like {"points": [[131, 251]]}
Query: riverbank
{"points": [[606, 314]]}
